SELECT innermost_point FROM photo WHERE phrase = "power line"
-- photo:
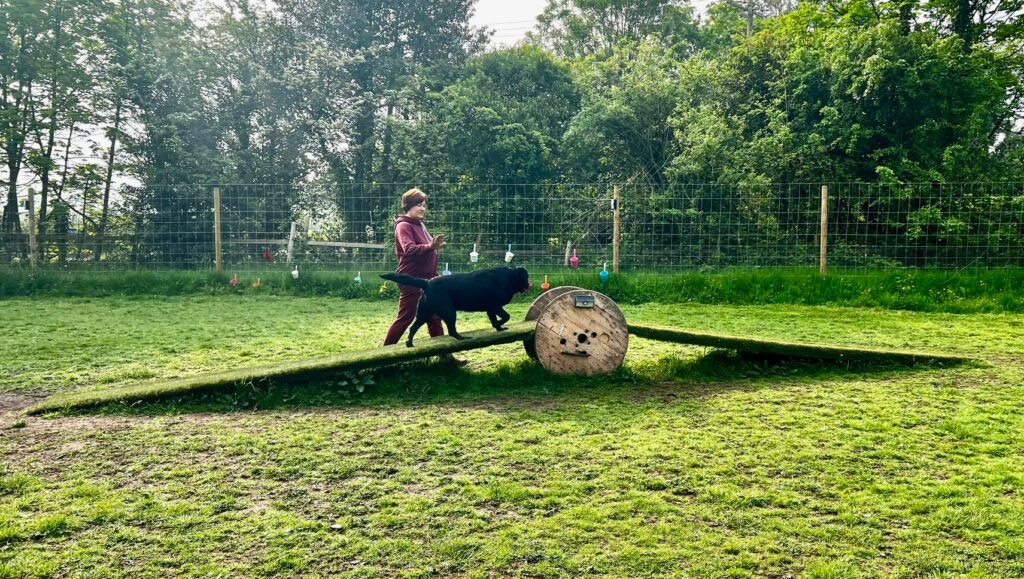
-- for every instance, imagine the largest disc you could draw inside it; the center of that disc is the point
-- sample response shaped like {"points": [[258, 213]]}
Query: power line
{"points": [[522, 27], [508, 22]]}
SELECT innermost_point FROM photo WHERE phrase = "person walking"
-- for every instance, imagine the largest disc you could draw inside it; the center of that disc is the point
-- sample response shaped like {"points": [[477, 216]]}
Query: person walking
{"points": [[417, 252]]}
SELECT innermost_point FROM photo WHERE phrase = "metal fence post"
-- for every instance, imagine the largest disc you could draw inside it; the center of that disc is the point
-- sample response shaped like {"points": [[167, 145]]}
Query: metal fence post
{"points": [[616, 227], [291, 243], [218, 256]]}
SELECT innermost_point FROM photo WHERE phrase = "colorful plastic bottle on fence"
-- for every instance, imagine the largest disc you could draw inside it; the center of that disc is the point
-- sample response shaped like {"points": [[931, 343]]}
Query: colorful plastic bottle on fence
{"points": [[509, 255], [604, 273], [574, 262], [446, 270], [473, 255], [256, 284], [545, 286], [295, 272], [268, 255], [233, 281], [359, 277]]}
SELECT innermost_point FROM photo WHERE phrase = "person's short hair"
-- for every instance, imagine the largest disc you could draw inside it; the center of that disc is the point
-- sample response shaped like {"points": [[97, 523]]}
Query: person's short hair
{"points": [[412, 198]]}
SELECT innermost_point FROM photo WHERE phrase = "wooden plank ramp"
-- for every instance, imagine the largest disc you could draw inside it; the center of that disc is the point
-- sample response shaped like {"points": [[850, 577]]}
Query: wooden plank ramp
{"points": [[387, 355], [355, 360], [784, 348]]}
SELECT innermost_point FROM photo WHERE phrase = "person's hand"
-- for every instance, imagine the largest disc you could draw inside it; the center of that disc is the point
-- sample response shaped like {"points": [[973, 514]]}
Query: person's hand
{"points": [[438, 242]]}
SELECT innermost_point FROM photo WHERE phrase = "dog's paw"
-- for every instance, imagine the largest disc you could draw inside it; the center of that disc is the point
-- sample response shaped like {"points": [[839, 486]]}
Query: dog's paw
{"points": [[408, 344], [460, 337], [501, 328]]}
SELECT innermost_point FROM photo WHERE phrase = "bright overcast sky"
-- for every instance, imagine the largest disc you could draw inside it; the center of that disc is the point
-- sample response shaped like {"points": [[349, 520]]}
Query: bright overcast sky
{"points": [[512, 19]]}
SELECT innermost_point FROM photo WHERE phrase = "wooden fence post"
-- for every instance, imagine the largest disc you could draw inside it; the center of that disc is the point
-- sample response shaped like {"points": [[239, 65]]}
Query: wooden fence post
{"points": [[616, 228], [823, 243], [218, 256]]}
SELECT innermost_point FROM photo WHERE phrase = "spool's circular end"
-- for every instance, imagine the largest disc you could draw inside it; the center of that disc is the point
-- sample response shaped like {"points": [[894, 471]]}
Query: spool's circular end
{"points": [[581, 332]]}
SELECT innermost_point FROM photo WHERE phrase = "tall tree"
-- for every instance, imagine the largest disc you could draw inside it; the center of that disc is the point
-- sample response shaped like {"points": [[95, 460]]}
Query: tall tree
{"points": [[752, 10], [166, 74], [622, 131], [361, 56], [256, 97], [577, 28], [502, 122], [980, 21], [64, 86], [812, 96], [25, 25]]}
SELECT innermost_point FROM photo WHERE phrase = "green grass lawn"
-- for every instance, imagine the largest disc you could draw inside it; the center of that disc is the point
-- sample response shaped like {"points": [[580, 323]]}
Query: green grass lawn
{"points": [[685, 462]]}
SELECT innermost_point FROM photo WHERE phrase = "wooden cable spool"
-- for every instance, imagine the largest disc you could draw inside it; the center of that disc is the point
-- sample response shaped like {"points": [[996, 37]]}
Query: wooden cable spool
{"points": [[579, 332], [537, 307]]}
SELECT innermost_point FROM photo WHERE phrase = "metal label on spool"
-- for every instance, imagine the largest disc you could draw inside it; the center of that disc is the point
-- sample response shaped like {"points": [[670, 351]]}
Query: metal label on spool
{"points": [[585, 301]]}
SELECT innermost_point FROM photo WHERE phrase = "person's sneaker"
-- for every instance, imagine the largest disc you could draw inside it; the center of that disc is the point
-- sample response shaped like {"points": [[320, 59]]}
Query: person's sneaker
{"points": [[451, 359]]}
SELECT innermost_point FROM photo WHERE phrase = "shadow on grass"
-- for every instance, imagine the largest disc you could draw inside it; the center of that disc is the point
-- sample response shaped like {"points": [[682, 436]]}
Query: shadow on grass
{"points": [[512, 386]]}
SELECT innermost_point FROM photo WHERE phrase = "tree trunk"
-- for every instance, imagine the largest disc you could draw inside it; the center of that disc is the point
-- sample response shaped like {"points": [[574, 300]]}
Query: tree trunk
{"points": [[106, 182], [44, 177], [963, 22], [44, 181], [15, 150], [365, 143], [12, 217], [385, 162], [906, 13], [356, 206]]}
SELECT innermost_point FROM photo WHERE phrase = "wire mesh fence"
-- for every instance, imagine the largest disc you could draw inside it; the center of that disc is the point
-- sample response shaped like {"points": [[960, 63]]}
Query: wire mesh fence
{"points": [[659, 229]]}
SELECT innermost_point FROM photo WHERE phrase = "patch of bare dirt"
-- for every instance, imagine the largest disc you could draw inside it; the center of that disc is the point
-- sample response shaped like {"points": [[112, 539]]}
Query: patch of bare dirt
{"points": [[12, 403]]}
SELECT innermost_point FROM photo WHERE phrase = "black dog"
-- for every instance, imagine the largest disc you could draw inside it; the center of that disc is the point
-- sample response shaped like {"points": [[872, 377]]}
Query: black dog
{"points": [[487, 290]]}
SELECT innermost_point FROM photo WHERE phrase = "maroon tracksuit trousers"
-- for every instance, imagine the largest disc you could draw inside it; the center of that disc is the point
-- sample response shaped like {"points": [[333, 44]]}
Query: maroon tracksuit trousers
{"points": [[408, 297]]}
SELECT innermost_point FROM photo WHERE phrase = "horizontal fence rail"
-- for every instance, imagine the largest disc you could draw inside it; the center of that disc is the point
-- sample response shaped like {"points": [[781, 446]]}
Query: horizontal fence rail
{"points": [[635, 228]]}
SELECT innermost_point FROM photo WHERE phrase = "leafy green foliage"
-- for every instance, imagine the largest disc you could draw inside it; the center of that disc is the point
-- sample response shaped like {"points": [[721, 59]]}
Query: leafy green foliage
{"points": [[859, 104], [580, 28], [364, 92], [502, 122]]}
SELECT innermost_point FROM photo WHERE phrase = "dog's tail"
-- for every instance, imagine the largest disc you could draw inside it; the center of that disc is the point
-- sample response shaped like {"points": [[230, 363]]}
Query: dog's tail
{"points": [[405, 279]]}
